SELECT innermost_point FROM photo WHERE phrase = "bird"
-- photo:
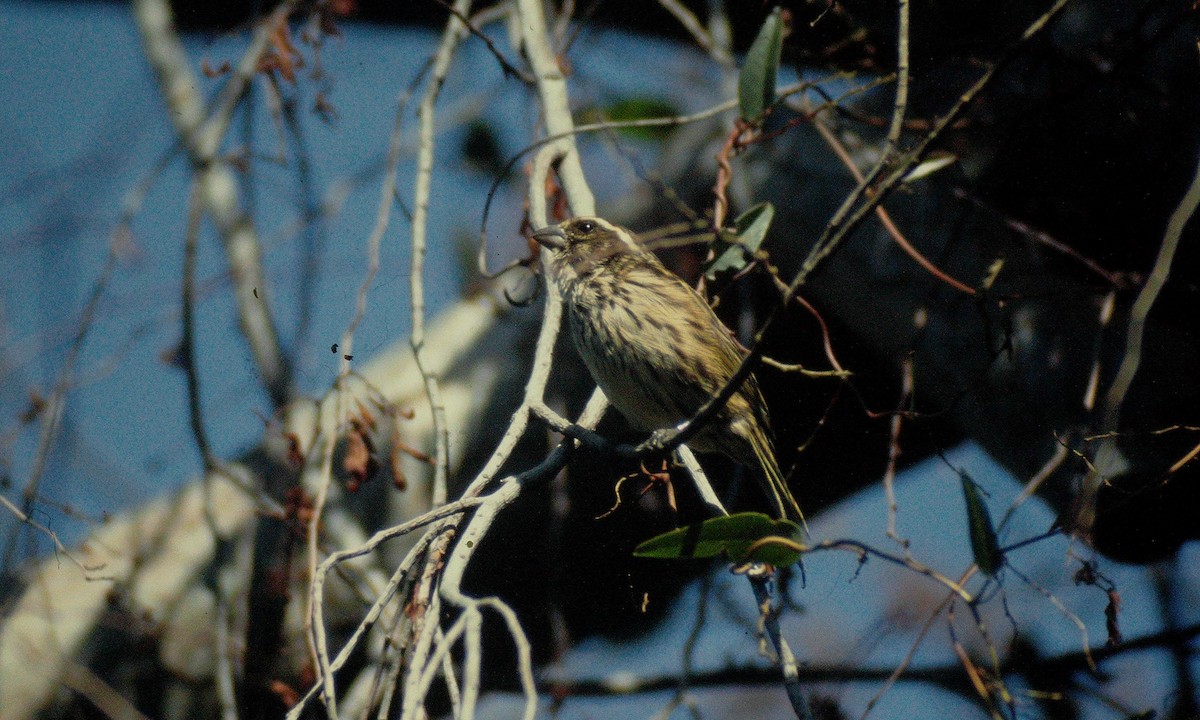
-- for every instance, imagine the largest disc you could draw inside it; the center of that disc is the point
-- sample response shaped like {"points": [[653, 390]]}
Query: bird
{"points": [[655, 347]]}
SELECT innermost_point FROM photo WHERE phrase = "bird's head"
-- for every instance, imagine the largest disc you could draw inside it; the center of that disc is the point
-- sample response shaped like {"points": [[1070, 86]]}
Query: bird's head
{"points": [[580, 245]]}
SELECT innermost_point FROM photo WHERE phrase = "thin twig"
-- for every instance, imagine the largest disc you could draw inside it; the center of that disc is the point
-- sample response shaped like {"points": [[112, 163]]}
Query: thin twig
{"points": [[1072, 617], [313, 616], [1107, 306], [432, 643], [1117, 280], [24, 518], [1035, 483], [315, 230], [948, 676], [903, 666], [318, 473], [670, 121], [188, 343], [509, 69], [455, 31], [1114, 399], [901, 105], [889, 474], [316, 588], [969, 667], [717, 51], [223, 669], [848, 217], [769, 617], [862, 549], [55, 406], [201, 132], [885, 218]]}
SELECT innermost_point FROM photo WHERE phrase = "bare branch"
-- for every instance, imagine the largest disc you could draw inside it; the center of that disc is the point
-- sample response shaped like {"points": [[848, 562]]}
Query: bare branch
{"points": [[717, 51], [1107, 454], [456, 29], [901, 106], [23, 518], [201, 133]]}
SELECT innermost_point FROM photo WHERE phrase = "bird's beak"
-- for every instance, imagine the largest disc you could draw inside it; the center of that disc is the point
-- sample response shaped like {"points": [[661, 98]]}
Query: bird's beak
{"points": [[551, 237]]}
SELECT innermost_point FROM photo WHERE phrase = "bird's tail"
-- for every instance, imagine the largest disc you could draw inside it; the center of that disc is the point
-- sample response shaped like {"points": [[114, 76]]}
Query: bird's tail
{"points": [[775, 485]]}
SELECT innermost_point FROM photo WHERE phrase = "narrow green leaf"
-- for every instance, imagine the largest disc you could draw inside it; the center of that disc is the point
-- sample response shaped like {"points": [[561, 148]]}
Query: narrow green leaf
{"points": [[756, 82], [742, 537], [732, 253], [983, 534], [633, 107]]}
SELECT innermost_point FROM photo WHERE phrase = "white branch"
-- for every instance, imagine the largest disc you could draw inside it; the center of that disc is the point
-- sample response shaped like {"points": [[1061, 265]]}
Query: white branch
{"points": [[218, 185]]}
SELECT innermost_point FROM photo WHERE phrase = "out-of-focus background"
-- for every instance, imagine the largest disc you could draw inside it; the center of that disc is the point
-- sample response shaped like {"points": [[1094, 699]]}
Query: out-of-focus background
{"points": [[1066, 171]]}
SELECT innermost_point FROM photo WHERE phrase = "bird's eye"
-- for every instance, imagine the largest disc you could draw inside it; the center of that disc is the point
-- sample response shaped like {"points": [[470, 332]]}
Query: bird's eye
{"points": [[585, 227]]}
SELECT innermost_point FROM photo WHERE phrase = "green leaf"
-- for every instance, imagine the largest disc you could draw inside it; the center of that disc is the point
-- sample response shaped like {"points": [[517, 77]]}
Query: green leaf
{"points": [[750, 229], [756, 82], [752, 225], [635, 107], [983, 534], [642, 108], [743, 537]]}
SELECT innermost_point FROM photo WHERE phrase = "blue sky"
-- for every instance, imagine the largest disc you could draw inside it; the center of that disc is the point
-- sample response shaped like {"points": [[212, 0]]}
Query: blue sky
{"points": [[83, 124]]}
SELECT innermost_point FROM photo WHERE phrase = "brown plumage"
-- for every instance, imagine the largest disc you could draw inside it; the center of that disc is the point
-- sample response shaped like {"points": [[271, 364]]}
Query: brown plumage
{"points": [[656, 348]]}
